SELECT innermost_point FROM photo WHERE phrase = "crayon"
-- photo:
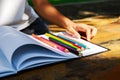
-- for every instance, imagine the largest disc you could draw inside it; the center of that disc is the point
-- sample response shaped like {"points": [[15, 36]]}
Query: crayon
{"points": [[66, 46], [72, 40], [54, 45], [66, 39], [62, 41]]}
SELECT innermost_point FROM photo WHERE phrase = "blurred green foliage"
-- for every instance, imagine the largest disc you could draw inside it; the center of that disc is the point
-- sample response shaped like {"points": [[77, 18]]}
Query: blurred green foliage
{"points": [[55, 2], [68, 1]]}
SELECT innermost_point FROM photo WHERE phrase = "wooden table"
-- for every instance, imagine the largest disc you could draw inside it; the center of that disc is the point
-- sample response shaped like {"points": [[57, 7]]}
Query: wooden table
{"points": [[104, 66]]}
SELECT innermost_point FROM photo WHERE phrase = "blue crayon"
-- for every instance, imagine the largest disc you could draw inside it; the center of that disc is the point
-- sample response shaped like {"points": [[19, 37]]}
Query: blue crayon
{"points": [[75, 42]]}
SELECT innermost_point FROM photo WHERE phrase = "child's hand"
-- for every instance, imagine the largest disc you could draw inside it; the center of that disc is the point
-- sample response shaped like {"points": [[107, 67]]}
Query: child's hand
{"points": [[75, 28]]}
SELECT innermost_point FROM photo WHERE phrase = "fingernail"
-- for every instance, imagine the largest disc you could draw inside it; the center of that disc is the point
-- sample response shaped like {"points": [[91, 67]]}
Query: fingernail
{"points": [[88, 39]]}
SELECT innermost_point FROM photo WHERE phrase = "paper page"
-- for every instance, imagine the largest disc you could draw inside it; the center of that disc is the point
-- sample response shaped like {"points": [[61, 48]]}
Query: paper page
{"points": [[5, 67], [93, 48], [39, 61]]}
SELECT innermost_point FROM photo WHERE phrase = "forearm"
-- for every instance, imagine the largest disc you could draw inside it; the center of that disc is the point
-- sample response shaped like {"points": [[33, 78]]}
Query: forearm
{"points": [[50, 13]]}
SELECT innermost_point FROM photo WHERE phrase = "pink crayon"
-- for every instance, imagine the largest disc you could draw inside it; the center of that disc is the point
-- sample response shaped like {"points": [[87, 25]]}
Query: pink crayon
{"points": [[50, 43]]}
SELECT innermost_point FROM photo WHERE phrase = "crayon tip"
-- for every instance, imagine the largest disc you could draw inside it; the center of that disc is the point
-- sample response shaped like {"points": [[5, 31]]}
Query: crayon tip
{"points": [[66, 50]]}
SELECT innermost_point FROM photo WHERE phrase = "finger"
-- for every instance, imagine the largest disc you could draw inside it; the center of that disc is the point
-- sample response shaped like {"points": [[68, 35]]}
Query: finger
{"points": [[74, 33], [88, 34], [86, 29], [93, 32]]}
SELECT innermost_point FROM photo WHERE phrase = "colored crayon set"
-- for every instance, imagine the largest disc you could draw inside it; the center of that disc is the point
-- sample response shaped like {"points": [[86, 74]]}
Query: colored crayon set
{"points": [[63, 43]]}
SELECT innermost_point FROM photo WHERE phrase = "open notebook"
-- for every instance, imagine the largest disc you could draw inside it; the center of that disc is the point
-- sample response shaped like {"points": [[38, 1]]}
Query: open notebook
{"points": [[19, 51]]}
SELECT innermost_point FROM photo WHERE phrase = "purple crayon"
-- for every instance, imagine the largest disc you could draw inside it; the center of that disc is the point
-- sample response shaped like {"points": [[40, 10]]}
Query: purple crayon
{"points": [[66, 46]]}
